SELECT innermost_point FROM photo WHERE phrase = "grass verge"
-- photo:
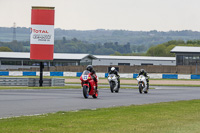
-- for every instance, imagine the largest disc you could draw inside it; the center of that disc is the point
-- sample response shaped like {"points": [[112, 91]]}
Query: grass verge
{"points": [[172, 117], [59, 87]]}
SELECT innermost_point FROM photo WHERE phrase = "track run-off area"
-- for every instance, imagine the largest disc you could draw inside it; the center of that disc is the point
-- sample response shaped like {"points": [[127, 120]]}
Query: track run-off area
{"points": [[18, 102]]}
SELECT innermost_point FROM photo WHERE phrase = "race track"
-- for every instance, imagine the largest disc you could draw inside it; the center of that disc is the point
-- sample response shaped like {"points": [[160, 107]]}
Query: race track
{"points": [[32, 102]]}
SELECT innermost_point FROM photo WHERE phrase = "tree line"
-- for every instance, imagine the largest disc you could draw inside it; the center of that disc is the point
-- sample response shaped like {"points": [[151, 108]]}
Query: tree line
{"points": [[73, 46], [109, 48], [164, 49], [140, 41]]}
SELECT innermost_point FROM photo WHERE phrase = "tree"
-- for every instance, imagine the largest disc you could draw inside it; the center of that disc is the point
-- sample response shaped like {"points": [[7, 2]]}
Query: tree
{"points": [[64, 40], [5, 49], [168, 49], [117, 53], [158, 50]]}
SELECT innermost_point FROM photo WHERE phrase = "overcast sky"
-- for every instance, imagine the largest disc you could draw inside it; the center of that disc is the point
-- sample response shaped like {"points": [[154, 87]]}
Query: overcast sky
{"points": [[137, 15]]}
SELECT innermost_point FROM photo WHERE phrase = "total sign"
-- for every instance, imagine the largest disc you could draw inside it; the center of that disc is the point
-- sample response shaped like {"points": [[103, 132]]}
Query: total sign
{"points": [[42, 33]]}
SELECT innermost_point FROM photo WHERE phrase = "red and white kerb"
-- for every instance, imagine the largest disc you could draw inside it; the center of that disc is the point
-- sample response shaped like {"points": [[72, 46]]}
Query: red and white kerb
{"points": [[42, 33]]}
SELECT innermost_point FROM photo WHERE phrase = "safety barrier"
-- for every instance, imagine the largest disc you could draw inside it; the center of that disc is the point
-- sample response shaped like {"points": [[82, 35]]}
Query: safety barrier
{"points": [[16, 81], [170, 76], [7, 81], [104, 75], [34, 82]]}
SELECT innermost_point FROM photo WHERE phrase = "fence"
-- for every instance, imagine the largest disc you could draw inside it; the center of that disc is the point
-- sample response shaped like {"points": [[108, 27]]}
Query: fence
{"points": [[126, 69]]}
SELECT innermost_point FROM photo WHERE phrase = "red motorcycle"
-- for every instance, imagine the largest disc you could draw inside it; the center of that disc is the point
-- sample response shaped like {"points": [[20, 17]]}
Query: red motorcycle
{"points": [[88, 84]]}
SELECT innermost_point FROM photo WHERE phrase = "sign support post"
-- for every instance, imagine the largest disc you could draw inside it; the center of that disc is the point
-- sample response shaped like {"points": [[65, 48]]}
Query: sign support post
{"points": [[41, 73]]}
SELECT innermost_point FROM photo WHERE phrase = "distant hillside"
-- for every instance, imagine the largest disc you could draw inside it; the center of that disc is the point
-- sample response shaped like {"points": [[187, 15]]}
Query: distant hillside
{"points": [[101, 36]]}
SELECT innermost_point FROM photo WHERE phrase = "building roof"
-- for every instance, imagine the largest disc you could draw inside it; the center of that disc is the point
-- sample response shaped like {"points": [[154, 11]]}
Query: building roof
{"points": [[61, 56], [185, 49], [134, 57]]}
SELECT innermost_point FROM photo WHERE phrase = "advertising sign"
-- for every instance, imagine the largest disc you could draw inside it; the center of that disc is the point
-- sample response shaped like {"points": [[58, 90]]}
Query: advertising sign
{"points": [[42, 33]]}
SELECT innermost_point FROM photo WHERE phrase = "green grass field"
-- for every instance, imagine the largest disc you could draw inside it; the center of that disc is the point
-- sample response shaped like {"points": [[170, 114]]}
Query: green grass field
{"points": [[172, 117]]}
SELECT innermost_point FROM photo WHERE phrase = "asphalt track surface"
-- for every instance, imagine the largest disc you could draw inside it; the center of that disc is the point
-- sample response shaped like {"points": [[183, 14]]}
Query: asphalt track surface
{"points": [[39, 101]]}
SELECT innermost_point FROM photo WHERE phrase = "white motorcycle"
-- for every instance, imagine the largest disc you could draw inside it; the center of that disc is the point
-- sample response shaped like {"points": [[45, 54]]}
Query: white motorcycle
{"points": [[112, 79], [142, 83]]}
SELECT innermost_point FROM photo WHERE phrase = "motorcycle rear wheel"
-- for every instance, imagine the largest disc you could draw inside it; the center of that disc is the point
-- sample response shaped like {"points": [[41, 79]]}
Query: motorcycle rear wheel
{"points": [[85, 91], [117, 90], [146, 91]]}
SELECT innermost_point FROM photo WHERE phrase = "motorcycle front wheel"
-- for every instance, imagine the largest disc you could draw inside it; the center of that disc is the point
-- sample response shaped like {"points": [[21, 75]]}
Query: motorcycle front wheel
{"points": [[85, 91], [140, 88], [112, 86]]}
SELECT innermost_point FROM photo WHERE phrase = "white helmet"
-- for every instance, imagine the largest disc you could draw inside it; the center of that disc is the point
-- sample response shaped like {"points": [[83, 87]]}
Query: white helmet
{"points": [[113, 68]]}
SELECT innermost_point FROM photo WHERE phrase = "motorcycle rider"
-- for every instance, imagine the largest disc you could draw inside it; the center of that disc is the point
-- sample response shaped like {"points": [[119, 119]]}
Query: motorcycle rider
{"points": [[144, 73], [114, 71], [92, 73]]}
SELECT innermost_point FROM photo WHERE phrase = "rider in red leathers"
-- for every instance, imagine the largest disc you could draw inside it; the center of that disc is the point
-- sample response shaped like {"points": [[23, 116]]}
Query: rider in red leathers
{"points": [[93, 74]]}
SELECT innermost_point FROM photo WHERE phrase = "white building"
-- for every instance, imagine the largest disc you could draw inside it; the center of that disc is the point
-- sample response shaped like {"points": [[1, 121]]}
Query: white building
{"points": [[15, 60], [186, 55], [132, 60]]}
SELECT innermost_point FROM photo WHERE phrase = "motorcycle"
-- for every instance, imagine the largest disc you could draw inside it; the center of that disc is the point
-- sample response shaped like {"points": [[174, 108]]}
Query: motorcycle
{"points": [[113, 81], [88, 84], [142, 83]]}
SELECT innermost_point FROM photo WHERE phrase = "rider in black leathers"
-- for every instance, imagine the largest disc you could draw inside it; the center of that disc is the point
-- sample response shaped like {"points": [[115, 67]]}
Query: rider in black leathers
{"points": [[114, 71], [143, 72]]}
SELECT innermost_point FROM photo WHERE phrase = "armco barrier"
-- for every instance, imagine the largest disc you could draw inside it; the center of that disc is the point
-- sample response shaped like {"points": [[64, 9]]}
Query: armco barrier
{"points": [[184, 76], [195, 76], [155, 76], [4, 73], [44, 73], [78, 74], [170, 76], [56, 73], [105, 75], [101, 75], [126, 75], [135, 75], [70, 74], [29, 73], [15, 73]]}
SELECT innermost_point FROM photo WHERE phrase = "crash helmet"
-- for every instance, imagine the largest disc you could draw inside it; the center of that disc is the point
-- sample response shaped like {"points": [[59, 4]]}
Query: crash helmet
{"points": [[113, 68], [89, 68], [142, 71]]}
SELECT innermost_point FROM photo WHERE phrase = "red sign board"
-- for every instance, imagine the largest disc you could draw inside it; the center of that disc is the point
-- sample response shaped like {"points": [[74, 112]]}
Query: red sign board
{"points": [[42, 33]]}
